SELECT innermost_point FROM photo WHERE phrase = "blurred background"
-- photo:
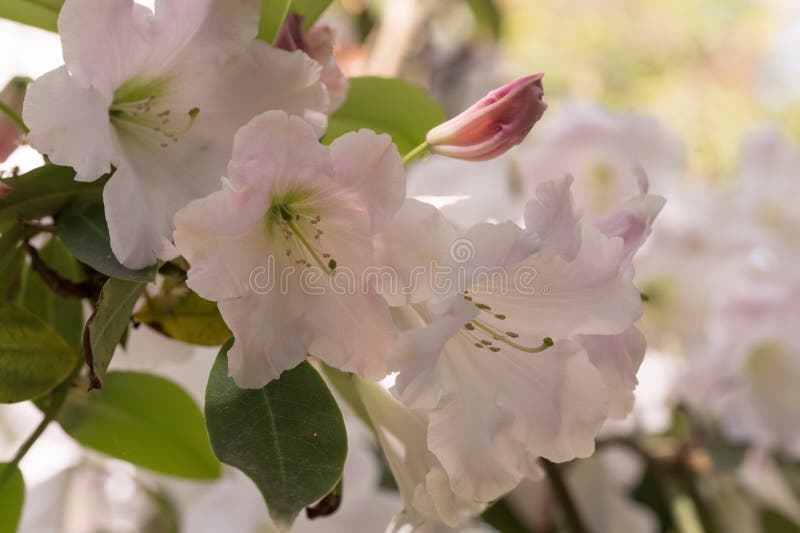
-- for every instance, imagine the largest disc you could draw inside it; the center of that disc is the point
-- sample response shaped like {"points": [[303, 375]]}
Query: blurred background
{"points": [[704, 97]]}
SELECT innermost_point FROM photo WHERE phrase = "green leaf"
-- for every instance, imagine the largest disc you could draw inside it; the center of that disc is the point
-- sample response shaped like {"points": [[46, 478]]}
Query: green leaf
{"points": [[272, 14], [183, 315], [145, 420], [487, 15], [310, 9], [404, 111], [288, 437], [44, 191], [33, 357], [12, 496], [11, 262], [110, 322], [40, 13], [83, 229], [64, 314]]}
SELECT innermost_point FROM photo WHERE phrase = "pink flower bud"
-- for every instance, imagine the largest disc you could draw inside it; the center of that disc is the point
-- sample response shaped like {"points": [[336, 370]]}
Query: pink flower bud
{"points": [[497, 122], [12, 95], [318, 45]]}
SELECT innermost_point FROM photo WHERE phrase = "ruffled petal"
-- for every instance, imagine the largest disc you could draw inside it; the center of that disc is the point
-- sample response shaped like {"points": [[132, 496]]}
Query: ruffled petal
{"points": [[548, 296], [70, 124], [371, 164], [618, 358], [269, 334], [222, 237], [352, 332], [409, 250], [553, 219]]}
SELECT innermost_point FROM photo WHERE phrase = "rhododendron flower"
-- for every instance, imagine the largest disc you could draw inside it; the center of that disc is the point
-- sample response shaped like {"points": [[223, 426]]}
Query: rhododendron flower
{"points": [[318, 44], [299, 211], [493, 125], [11, 134], [159, 95], [514, 368], [430, 505]]}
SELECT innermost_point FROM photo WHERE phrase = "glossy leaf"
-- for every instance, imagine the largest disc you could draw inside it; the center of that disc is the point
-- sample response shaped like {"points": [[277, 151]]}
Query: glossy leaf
{"points": [[64, 314], [40, 13], [111, 319], [145, 420], [310, 9], [33, 357], [83, 229], [12, 496], [44, 191], [404, 111], [288, 437], [272, 14], [183, 315]]}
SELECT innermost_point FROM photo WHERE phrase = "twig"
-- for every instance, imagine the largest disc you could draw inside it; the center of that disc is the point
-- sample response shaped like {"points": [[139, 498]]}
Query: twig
{"points": [[54, 281], [564, 497], [88, 353]]}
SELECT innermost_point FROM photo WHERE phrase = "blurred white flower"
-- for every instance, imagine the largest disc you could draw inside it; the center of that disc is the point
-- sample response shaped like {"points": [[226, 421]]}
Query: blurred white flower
{"points": [[158, 96], [747, 375]]}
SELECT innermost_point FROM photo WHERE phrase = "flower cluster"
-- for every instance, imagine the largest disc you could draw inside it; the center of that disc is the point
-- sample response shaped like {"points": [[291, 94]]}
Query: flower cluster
{"points": [[209, 142]]}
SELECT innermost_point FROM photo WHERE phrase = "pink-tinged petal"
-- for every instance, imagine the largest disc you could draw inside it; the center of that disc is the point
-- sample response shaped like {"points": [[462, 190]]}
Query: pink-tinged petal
{"points": [[632, 222], [493, 125], [618, 358], [552, 217], [270, 337], [70, 124], [222, 237], [352, 332], [417, 240], [317, 44], [502, 410], [320, 41], [550, 297], [275, 151], [370, 163], [104, 43]]}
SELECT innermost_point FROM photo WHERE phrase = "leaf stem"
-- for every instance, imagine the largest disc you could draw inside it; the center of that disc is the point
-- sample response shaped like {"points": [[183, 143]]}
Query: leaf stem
{"points": [[57, 398], [54, 281], [564, 497], [16, 119], [415, 153]]}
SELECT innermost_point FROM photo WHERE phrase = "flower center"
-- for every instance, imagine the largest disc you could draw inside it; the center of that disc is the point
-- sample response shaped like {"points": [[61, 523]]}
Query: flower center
{"points": [[485, 332], [295, 220], [137, 106]]}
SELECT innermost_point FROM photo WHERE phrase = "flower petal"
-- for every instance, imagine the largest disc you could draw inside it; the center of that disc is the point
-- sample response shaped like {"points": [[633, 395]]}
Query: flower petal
{"points": [[70, 124], [371, 164], [270, 337], [222, 237], [552, 217]]}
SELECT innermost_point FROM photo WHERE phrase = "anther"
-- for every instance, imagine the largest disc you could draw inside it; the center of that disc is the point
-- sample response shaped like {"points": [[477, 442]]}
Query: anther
{"points": [[512, 334], [494, 349], [500, 317], [469, 326]]}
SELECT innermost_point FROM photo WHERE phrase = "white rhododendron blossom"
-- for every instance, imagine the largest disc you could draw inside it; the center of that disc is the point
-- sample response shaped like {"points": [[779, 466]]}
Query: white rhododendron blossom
{"points": [[748, 375], [534, 351], [602, 150], [157, 96], [430, 505], [268, 247]]}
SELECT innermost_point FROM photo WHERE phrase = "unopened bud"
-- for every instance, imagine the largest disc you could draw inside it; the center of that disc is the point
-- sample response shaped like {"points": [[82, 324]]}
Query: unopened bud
{"points": [[11, 134], [497, 122]]}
